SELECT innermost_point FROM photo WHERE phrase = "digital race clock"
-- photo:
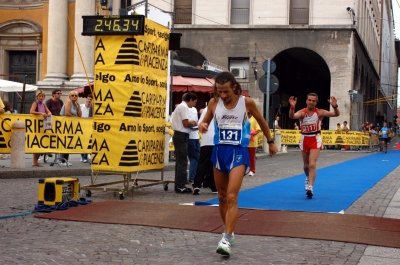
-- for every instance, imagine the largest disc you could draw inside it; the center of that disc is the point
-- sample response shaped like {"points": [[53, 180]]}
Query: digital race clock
{"points": [[113, 25]]}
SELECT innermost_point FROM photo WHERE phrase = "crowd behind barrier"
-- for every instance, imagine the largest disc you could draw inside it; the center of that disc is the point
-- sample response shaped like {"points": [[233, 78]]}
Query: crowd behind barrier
{"points": [[329, 138], [73, 135]]}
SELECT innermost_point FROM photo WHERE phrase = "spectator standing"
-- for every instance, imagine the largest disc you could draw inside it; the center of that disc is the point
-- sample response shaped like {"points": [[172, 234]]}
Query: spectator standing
{"points": [[71, 108], [7, 110], [7, 107], [181, 125], [345, 127], [254, 130], [276, 123], [296, 126], [39, 108], [54, 104], [193, 145], [85, 114], [1, 106], [204, 173], [2, 110], [373, 136]]}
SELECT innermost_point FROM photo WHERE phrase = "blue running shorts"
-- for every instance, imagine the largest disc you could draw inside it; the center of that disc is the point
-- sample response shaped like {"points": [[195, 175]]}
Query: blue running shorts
{"points": [[226, 157]]}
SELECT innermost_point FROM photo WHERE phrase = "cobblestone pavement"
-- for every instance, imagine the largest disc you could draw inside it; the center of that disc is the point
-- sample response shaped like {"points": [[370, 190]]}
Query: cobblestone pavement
{"points": [[29, 240]]}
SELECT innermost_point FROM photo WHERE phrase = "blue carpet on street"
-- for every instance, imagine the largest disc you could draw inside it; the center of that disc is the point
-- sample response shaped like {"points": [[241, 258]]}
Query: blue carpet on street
{"points": [[336, 188]]}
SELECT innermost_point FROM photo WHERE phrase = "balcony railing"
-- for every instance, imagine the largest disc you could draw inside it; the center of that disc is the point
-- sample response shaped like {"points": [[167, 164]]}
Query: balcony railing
{"points": [[240, 16], [183, 16], [299, 16]]}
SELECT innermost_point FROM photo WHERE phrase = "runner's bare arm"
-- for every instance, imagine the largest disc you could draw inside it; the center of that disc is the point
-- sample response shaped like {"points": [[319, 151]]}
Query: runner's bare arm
{"points": [[203, 126]]}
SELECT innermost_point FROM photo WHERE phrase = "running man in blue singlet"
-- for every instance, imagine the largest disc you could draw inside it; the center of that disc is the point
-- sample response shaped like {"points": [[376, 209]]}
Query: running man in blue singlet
{"points": [[230, 156], [311, 141], [385, 137]]}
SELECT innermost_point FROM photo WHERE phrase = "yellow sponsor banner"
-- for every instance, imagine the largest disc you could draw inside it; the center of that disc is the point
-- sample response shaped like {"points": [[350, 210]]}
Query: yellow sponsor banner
{"points": [[354, 138], [128, 144], [148, 52], [290, 137], [131, 74], [69, 135], [130, 98], [123, 98]]}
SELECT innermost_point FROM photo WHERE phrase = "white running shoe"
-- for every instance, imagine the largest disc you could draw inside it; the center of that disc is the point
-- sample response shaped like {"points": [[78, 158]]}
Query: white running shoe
{"points": [[306, 184], [251, 173], [224, 247], [232, 238], [66, 164], [310, 192]]}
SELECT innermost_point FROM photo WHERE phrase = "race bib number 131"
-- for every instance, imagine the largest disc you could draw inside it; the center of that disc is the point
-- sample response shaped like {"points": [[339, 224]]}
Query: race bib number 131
{"points": [[230, 133]]}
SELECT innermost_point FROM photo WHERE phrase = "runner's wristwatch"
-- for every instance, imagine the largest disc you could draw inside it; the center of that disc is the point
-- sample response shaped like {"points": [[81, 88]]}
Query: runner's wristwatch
{"points": [[270, 142]]}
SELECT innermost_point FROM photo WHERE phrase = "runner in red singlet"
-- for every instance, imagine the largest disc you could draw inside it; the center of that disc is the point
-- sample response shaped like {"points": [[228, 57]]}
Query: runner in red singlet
{"points": [[311, 141]]}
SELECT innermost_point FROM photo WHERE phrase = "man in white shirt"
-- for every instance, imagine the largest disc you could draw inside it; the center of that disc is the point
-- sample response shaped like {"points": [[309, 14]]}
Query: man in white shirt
{"points": [[181, 125], [276, 123], [86, 107], [204, 173], [345, 127], [85, 114]]}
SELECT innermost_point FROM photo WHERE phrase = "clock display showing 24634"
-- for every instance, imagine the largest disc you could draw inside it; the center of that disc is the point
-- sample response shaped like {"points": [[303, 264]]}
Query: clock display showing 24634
{"points": [[113, 25]]}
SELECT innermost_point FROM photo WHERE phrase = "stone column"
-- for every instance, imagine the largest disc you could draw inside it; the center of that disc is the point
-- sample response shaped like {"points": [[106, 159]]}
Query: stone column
{"points": [[116, 6], [57, 41], [85, 43], [18, 145]]}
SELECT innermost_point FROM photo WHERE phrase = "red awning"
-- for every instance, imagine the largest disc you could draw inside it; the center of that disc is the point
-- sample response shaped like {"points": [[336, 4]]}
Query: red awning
{"points": [[196, 84], [192, 84], [199, 81], [180, 81]]}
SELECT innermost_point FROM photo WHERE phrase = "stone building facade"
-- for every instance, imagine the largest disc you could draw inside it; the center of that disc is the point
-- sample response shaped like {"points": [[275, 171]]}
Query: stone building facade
{"points": [[342, 48]]}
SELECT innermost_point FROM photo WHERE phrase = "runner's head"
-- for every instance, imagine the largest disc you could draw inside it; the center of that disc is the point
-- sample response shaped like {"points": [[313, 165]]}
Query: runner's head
{"points": [[226, 87], [312, 100]]}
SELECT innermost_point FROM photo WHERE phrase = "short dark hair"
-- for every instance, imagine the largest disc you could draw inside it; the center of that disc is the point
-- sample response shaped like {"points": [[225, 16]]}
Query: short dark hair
{"points": [[55, 91], [225, 77], [189, 96], [313, 95], [89, 96]]}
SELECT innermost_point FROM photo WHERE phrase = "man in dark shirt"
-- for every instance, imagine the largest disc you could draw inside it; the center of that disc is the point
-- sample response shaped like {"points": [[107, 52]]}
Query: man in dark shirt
{"points": [[55, 103]]}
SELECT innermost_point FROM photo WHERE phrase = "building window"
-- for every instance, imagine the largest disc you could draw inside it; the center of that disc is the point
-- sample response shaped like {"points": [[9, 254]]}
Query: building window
{"points": [[299, 12], [183, 11], [240, 11]]}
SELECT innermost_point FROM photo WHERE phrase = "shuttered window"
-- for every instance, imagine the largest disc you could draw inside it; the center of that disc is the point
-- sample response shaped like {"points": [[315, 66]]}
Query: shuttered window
{"points": [[240, 11], [299, 12], [183, 11]]}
